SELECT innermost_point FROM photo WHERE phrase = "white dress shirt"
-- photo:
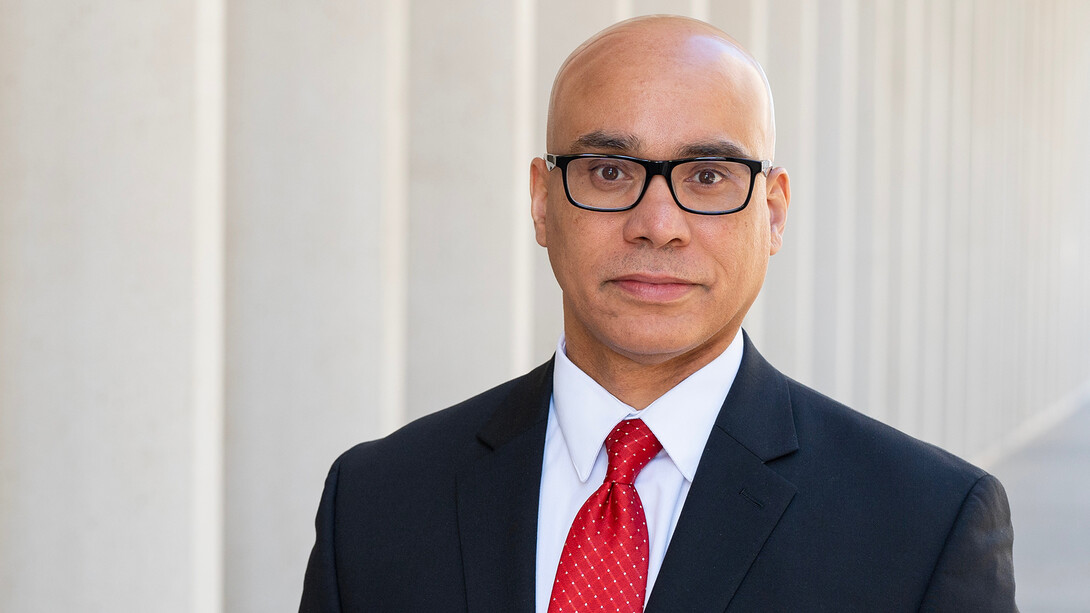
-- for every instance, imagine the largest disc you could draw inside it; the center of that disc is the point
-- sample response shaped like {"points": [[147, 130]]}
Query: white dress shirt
{"points": [[581, 415]]}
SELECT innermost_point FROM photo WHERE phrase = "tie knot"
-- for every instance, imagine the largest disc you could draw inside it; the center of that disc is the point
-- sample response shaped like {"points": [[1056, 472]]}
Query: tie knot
{"points": [[630, 446]]}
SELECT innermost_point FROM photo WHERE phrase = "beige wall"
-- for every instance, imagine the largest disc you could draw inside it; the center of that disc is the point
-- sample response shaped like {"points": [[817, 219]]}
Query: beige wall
{"points": [[237, 237]]}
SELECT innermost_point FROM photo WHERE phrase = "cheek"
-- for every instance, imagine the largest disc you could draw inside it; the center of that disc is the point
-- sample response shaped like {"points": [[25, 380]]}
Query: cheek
{"points": [[568, 251], [739, 252], [756, 227], [578, 237]]}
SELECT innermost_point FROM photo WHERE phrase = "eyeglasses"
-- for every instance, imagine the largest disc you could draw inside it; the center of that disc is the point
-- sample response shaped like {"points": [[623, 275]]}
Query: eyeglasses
{"points": [[705, 185]]}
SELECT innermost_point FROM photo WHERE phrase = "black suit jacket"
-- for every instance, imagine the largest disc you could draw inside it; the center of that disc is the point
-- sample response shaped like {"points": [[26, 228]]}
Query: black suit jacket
{"points": [[799, 504]]}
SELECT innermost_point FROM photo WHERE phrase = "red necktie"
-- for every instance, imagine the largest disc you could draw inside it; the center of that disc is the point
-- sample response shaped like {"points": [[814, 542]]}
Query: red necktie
{"points": [[604, 563]]}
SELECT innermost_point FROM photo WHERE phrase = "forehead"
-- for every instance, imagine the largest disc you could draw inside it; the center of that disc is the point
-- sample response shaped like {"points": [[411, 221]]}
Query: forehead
{"points": [[665, 93]]}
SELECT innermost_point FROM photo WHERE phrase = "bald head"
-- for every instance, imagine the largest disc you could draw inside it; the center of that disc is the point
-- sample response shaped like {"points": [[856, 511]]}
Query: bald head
{"points": [[675, 53]]}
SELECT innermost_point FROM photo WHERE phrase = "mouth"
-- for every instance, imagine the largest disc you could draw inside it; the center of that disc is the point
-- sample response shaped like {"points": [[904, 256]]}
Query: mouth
{"points": [[653, 287]]}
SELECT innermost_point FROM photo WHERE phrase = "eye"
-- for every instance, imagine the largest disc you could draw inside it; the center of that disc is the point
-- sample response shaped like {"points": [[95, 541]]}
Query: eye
{"points": [[608, 172], [708, 176]]}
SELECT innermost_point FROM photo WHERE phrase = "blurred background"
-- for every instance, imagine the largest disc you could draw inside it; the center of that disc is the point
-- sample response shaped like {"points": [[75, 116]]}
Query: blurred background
{"points": [[239, 236]]}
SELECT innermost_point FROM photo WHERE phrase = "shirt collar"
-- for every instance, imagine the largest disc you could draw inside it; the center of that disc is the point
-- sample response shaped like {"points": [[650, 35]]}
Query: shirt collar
{"points": [[681, 419]]}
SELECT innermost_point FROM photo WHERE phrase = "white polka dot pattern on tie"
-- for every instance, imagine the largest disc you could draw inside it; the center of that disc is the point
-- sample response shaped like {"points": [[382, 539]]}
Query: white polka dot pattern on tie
{"points": [[604, 563]]}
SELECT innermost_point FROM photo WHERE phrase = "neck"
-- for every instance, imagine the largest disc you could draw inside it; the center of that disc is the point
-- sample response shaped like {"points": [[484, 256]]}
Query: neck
{"points": [[638, 380]]}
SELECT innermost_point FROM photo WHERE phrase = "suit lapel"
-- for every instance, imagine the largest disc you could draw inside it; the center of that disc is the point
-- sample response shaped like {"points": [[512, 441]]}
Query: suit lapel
{"points": [[735, 500], [498, 500]]}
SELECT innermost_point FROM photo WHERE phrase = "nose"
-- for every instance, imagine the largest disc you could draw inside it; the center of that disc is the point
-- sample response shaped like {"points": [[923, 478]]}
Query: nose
{"points": [[657, 221]]}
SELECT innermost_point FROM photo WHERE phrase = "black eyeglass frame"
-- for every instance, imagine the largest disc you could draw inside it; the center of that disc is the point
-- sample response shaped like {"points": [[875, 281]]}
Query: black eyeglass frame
{"points": [[654, 168]]}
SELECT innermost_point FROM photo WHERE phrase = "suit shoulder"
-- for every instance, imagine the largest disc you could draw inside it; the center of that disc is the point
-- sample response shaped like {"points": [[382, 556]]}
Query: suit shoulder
{"points": [[832, 429], [447, 434]]}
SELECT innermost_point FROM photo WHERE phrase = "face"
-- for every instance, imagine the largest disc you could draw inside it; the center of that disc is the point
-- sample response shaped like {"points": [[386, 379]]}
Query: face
{"points": [[656, 283]]}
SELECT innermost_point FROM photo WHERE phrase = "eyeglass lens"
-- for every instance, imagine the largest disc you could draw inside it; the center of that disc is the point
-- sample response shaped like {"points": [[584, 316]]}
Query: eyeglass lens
{"points": [[610, 183]]}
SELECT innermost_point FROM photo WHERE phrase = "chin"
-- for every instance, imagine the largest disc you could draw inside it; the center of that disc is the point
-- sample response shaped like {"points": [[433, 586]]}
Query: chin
{"points": [[651, 341], [652, 349]]}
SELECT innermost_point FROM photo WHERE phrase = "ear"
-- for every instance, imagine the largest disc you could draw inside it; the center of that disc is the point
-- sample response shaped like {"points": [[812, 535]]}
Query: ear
{"points": [[539, 198], [778, 186]]}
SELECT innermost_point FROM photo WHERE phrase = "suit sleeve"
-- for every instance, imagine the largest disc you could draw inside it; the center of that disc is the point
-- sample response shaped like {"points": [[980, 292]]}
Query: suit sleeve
{"points": [[320, 592], [975, 571]]}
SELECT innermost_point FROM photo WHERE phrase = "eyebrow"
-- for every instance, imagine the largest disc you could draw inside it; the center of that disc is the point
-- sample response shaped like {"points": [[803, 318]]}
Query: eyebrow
{"points": [[715, 148], [610, 141]]}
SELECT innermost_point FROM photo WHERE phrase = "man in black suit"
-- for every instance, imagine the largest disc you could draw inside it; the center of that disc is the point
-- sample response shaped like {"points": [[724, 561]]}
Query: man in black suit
{"points": [[748, 491]]}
